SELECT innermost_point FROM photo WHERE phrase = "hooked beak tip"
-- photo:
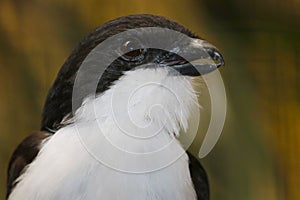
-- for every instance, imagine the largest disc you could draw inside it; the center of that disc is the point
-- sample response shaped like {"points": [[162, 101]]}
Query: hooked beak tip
{"points": [[216, 56]]}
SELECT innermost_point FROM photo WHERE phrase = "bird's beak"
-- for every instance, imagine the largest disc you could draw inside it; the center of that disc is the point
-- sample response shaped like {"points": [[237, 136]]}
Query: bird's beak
{"points": [[203, 58]]}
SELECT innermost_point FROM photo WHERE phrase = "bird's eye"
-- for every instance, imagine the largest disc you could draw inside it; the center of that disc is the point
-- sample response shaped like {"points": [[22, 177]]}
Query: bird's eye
{"points": [[132, 51]]}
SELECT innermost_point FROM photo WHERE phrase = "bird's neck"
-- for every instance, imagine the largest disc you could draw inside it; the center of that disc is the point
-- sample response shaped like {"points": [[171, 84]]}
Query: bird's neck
{"points": [[144, 102], [141, 113]]}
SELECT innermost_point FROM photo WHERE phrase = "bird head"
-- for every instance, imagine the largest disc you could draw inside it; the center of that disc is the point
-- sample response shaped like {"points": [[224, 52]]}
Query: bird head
{"points": [[135, 42]]}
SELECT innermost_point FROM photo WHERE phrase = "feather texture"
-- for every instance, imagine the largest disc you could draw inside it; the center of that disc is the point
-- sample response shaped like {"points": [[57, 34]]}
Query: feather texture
{"points": [[78, 162]]}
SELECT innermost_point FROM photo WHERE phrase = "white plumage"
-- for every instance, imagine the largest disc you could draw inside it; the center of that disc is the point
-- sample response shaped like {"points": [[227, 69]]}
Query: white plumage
{"points": [[131, 127]]}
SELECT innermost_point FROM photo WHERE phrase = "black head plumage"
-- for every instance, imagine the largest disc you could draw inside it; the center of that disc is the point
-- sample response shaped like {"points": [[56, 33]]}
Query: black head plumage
{"points": [[58, 102]]}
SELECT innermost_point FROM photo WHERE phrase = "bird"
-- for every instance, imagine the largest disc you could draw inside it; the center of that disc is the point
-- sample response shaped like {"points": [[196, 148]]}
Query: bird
{"points": [[69, 157]]}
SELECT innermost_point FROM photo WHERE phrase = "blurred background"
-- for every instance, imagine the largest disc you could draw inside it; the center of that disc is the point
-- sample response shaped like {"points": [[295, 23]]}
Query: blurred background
{"points": [[257, 156]]}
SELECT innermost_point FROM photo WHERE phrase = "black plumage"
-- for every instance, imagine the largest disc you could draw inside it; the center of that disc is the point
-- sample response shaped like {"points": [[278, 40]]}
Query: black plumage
{"points": [[58, 103]]}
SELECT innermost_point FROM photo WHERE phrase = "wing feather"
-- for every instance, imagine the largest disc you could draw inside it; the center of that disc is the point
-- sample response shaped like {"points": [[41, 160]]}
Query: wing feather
{"points": [[199, 178], [23, 155]]}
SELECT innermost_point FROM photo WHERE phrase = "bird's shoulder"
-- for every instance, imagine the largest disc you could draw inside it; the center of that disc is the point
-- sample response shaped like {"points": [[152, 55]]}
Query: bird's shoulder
{"points": [[22, 156]]}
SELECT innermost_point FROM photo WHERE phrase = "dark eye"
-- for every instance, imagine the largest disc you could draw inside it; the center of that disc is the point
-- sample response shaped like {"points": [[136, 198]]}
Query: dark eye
{"points": [[132, 51]]}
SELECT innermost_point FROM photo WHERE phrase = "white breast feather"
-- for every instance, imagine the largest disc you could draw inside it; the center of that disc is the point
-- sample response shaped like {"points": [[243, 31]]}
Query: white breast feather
{"points": [[144, 99]]}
